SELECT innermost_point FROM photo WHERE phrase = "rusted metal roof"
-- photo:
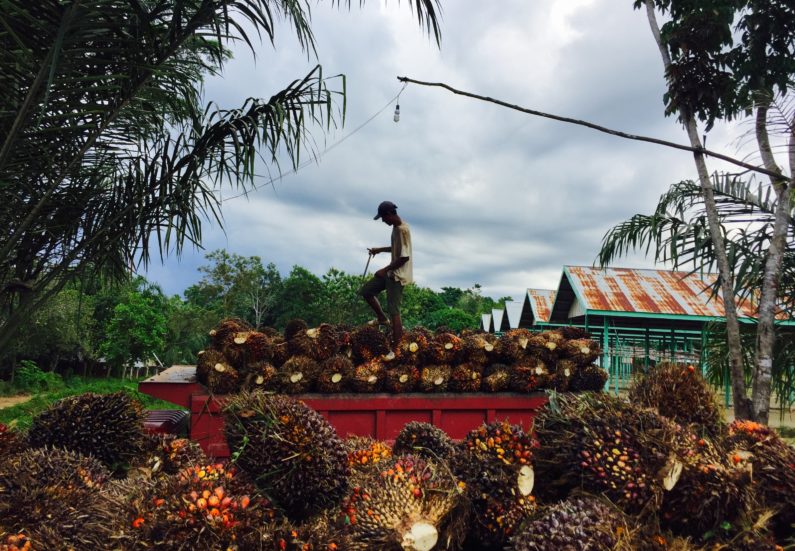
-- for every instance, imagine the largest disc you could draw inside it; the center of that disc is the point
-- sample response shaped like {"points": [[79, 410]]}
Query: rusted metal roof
{"points": [[661, 292], [541, 301]]}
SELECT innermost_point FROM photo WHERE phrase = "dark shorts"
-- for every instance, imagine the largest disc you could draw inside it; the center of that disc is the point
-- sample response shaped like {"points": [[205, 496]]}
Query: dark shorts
{"points": [[394, 292]]}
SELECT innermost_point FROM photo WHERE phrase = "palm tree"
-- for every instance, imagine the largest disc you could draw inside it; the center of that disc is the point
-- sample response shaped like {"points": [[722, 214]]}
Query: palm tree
{"points": [[108, 153], [677, 233]]}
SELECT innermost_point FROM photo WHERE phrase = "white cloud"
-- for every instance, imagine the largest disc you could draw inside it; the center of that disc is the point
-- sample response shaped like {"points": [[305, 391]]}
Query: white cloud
{"points": [[494, 196]]}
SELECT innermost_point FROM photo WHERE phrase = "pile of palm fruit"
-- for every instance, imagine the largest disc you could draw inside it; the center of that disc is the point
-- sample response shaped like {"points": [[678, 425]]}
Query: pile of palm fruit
{"points": [[329, 359], [662, 471]]}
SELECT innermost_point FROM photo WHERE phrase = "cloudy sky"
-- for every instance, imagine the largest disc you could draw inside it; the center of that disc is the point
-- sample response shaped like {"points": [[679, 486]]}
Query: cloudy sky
{"points": [[493, 196]]}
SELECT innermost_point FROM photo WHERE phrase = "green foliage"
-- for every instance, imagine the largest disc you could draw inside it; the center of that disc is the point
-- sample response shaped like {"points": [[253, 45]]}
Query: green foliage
{"points": [[20, 415], [29, 378], [135, 331], [453, 318], [725, 54], [106, 137], [716, 360]]}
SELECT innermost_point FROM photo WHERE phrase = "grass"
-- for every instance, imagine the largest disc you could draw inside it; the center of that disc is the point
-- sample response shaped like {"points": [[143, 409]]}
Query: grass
{"points": [[21, 415]]}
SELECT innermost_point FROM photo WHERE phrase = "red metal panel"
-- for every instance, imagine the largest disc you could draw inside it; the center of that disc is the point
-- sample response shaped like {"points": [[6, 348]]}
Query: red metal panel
{"points": [[175, 385], [357, 423], [459, 422], [166, 421], [207, 426], [378, 415], [397, 419]]}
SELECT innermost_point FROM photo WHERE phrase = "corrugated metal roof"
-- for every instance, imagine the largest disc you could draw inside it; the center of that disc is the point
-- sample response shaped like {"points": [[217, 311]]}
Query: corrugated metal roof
{"points": [[496, 316], [514, 312], [541, 301], [648, 291], [485, 322]]}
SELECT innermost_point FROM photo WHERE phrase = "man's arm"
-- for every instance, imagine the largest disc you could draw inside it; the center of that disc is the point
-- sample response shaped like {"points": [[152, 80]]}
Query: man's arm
{"points": [[375, 250], [397, 263]]}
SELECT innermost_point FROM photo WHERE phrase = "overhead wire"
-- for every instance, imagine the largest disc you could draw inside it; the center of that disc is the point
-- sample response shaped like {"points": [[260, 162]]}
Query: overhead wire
{"points": [[315, 158]]}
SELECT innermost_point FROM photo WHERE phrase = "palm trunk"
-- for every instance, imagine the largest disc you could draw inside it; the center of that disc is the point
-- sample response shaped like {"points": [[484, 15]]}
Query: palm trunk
{"points": [[742, 409], [765, 333]]}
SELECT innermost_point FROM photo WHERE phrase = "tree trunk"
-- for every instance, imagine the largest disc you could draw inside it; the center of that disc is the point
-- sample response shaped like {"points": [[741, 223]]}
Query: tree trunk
{"points": [[742, 408], [766, 330]]}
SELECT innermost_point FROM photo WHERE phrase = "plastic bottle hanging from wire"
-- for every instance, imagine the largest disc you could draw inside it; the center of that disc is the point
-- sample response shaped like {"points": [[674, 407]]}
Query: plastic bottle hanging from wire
{"points": [[396, 118]]}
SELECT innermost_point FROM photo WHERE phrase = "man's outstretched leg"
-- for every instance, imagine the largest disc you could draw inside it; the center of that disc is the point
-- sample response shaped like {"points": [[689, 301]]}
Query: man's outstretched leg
{"points": [[370, 292]]}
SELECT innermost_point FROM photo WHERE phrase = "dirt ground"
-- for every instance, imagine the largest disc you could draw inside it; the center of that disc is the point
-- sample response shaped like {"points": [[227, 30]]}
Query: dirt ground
{"points": [[8, 401]]}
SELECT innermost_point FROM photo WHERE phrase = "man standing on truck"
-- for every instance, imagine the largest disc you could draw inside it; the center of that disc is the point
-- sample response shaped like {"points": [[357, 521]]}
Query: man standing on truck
{"points": [[393, 277]]}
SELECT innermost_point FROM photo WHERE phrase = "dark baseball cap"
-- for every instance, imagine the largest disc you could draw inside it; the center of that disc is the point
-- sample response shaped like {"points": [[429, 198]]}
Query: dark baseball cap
{"points": [[386, 207]]}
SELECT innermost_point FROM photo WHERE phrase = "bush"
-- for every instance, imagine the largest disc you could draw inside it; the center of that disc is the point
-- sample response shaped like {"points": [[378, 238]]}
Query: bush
{"points": [[32, 379]]}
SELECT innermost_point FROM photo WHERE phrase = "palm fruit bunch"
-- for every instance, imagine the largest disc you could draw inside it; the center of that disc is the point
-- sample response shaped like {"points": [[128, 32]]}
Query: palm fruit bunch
{"points": [[369, 376], [343, 335], [201, 507], [205, 362], [466, 377], [498, 494], [506, 444], [367, 343], [773, 463], [335, 374], [546, 345], [513, 345], [588, 378], [16, 542], [109, 427], [279, 351], [434, 378], [709, 496], [291, 451], [496, 519], [571, 333], [225, 331], [325, 342], [235, 349], [53, 495], [603, 445], [294, 328], [318, 343], [258, 347], [223, 379], [259, 374], [478, 349], [496, 465], [402, 377], [297, 375], [444, 349], [560, 380], [679, 393], [496, 378], [580, 351], [528, 374], [299, 343], [414, 346], [410, 505], [424, 440], [167, 454], [11, 441], [319, 533], [582, 523], [364, 452]]}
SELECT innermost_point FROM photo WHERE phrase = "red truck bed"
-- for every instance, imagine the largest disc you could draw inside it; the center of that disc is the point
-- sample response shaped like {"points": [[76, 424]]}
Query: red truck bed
{"points": [[381, 416]]}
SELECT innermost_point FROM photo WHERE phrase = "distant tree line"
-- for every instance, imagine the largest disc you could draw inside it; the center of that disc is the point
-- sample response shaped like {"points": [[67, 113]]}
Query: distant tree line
{"points": [[103, 328]]}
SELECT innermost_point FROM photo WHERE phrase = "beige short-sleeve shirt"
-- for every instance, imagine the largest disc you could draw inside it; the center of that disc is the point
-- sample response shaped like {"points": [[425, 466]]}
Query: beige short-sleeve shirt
{"points": [[401, 246]]}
